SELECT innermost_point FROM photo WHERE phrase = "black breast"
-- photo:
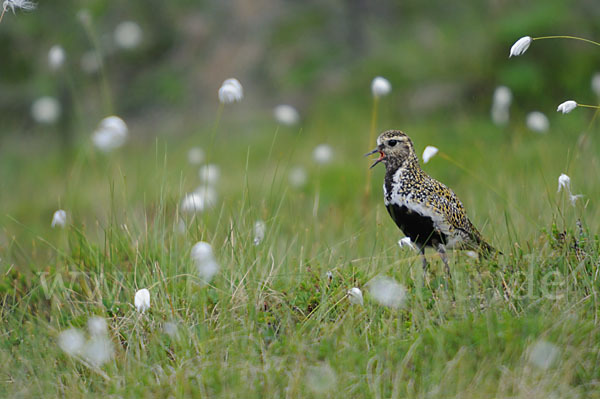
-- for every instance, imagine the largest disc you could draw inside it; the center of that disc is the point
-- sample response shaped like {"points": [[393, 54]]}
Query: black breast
{"points": [[416, 226]]}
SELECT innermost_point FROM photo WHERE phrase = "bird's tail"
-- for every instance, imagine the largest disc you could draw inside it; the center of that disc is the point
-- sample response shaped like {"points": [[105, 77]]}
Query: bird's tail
{"points": [[487, 251]]}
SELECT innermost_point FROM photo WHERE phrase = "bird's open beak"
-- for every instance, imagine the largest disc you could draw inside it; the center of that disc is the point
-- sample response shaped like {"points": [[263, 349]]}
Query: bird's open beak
{"points": [[381, 156]]}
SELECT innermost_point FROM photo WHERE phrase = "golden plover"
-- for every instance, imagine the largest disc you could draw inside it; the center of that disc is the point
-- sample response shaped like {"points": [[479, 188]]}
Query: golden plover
{"points": [[423, 208]]}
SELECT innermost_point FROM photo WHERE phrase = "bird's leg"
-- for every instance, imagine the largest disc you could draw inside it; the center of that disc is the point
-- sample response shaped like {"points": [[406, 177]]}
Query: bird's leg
{"points": [[424, 262], [442, 251]]}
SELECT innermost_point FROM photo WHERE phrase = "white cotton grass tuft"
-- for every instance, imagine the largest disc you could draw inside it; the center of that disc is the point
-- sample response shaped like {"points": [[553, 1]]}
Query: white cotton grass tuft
{"points": [[564, 184], [98, 350], [71, 341], [387, 292], [596, 84], [231, 91], [260, 228], [56, 57], [298, 177], [323, 154], [204, 260], [286, 115], [321, 379], [210, 174], [203, 198], [111, 134], [90, 62], [195, 155], [567, 106], [128, 35], [543, 354], [502, 96], [16, 4], [355, 296], [380, 87], [46, 110], [537, 122], [59, 219], [97, 326], [141, 300], [429, 153], [500, 105], [406, 242], [520, 46]]}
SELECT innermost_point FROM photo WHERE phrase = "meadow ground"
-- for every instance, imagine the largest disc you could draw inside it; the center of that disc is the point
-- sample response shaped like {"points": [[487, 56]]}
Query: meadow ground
{"points": [[275, 321]]}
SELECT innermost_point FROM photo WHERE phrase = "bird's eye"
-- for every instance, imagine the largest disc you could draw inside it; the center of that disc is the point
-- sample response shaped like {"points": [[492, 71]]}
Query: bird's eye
{"points": [[392, 143]]}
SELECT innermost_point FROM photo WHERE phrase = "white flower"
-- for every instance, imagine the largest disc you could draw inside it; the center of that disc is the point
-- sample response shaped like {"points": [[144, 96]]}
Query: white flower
{"points": [[472, 254], [574, 197], [596, 83], [380, 87], [208, 195], [97, 326], [231, 91], [202, 251], [206, 264], [142, 300], [192, 203], [98, 350], [500, 105], [259, 231], [203, 198], [520, 46], [543, 354], [406, 242], [387, 291], [210, 174], [538, 122], [355, 296], [286, 114], [297, 177], [111, 133], [502, 96], [56, 57], [71, 341], [22, 4], [90, 62], [323, 154], [195, 155], [128, 35], [567, 107], [429, 152], [564, 182], [59, 219], [46, 110]]}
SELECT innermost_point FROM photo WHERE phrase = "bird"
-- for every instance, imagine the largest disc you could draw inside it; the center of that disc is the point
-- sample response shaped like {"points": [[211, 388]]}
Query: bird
{"points": [[426, 211]]}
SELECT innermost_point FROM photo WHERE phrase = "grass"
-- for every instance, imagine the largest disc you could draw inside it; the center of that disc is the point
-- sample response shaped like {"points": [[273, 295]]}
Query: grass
{"points": [[272, 323]]}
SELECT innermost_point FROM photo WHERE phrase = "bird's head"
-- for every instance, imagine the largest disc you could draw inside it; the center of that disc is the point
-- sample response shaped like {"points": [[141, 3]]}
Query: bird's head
{"points": [[394, 148]]}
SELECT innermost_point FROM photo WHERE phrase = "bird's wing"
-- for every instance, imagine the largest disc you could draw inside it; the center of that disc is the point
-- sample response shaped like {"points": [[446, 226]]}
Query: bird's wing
{"points": [[455, 213]]}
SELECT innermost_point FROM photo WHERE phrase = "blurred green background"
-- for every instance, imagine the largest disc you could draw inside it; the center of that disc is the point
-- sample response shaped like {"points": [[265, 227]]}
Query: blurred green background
{"points": [[444, 61]]}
